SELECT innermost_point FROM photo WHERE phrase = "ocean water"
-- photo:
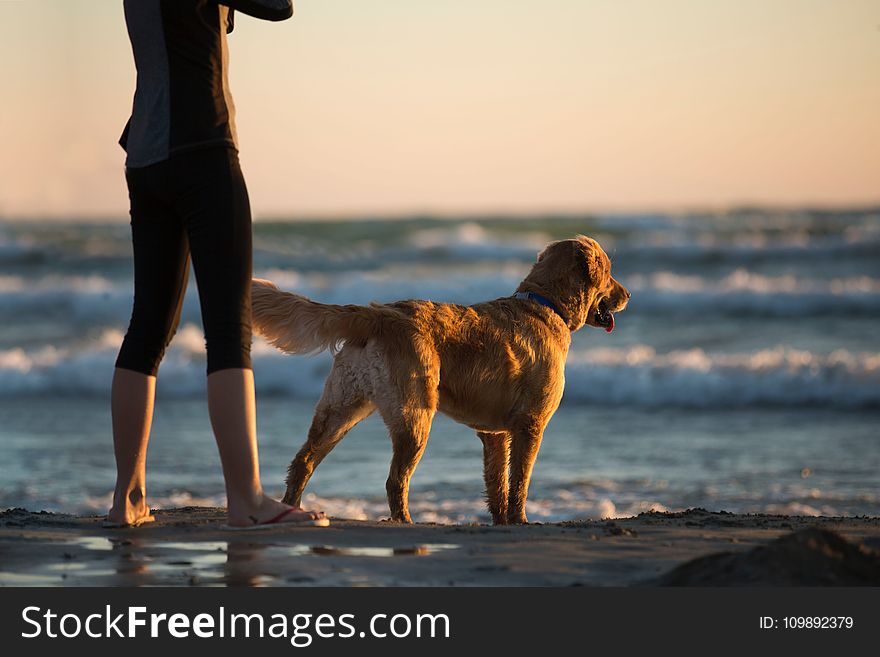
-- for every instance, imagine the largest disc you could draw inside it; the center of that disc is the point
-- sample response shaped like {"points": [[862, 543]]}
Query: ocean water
{"points": [[744, 376]]}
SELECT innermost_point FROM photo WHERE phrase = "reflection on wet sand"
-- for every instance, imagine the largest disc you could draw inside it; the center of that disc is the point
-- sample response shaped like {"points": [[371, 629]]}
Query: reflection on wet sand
{"points": [[137, 561], [188, 547], [245, 565], [415, 550]]}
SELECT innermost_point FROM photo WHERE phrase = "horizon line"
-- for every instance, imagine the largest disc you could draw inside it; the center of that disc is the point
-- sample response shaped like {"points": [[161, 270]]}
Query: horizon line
{"points": [[485, 214]]}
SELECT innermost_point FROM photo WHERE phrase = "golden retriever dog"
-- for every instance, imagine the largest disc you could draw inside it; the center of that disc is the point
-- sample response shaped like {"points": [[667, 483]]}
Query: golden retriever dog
{"points": [[496, 367]]}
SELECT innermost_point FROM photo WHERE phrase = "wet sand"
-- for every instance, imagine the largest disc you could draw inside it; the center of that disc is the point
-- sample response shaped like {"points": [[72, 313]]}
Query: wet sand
{"points": [[189, 547]]}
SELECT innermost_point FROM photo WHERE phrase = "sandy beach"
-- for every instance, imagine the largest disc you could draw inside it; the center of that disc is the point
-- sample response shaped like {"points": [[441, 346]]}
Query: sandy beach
{"points": [[189, 547]]}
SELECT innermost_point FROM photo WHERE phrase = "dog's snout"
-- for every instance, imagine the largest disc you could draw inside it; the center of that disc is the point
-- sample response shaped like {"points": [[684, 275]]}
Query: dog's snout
{"points": [[621, 292]]}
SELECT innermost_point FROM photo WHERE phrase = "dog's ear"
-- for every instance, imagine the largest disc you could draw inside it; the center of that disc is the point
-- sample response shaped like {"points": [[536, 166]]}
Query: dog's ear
{"points": [[557, 249], [588, 255], [545, 251]]}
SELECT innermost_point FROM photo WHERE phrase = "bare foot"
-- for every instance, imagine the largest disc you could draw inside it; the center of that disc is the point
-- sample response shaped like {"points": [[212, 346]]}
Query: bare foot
{"points": [[270, 511], [129, 510]]}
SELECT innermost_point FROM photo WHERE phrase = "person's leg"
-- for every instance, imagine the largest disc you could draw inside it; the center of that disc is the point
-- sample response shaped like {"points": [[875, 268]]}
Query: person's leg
{"points": [[232, 407], [131, 401], [161, 267], [218, 220]]}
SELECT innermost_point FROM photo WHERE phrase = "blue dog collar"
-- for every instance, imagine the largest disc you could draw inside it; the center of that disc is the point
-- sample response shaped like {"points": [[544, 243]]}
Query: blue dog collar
{"points": [[544, 301]]}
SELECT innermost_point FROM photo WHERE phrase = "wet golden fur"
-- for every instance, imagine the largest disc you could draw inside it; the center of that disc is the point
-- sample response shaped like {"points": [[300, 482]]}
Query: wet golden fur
{"points": [[495, 366]]}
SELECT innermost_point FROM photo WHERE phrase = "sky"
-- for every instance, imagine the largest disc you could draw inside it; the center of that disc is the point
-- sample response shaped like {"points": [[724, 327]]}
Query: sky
{"points": [[356, 108]]}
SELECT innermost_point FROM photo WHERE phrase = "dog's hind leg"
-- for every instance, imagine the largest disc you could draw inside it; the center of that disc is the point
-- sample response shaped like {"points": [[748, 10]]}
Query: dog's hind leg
{"points": [[329, 426], [409, 435], [496, 461], [341, 407], [524, 446], [408, 414], [407, 378]]}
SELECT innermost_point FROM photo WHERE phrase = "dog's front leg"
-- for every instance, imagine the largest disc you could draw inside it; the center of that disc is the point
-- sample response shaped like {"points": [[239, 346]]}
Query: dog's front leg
{"points": [[496, 462], [524, 446]]}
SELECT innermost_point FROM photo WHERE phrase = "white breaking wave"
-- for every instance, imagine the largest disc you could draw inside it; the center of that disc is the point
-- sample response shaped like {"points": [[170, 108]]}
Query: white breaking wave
{"points": [[557, 504], [98, 301], [471, 240], [636, 376], [694, 378], [743, 280], [746, 293]]}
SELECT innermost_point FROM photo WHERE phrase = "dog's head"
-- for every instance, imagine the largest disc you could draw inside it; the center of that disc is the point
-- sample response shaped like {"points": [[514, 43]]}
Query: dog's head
{"points": [[575, 275]]}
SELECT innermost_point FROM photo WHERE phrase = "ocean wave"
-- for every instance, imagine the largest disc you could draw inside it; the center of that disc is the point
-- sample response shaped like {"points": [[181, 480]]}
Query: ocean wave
{"points": [[562, 503], [469, 243], [96, 300], [636, 376], [694, 378], [86, 370], [647, 240], [742, 280], [641, 239], [92, 299], [473, 241], [452, 507], [746, 293], [437, 503], [717, 251]]}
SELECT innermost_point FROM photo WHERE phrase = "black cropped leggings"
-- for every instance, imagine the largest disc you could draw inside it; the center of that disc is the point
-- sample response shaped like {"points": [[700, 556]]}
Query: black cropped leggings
{"points": [[193, 204]]}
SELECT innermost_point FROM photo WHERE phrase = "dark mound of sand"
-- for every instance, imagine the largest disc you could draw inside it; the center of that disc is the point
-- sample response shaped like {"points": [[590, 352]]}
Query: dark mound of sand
{"points": [[809, 557]]}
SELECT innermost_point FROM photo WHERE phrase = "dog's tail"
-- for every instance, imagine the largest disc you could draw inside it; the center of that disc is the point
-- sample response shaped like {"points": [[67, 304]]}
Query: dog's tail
{"points": [[297, 325]]}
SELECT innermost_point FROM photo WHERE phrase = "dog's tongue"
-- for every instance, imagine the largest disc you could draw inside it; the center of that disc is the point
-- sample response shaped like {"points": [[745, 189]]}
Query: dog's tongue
{"points": [[610, 327]]}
